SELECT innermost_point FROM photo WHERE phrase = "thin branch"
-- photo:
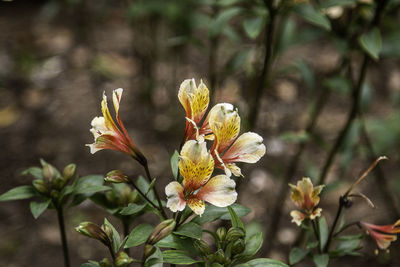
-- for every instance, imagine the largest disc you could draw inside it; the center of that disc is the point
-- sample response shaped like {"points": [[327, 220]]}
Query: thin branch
{"points": [[161, 208], [60, 216]]}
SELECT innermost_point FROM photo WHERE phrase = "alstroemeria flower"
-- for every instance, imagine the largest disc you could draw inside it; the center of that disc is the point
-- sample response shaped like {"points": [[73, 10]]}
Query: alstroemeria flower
{"points": [[382, 234], [306, 197], [110, 135], [195, 102], [228, 148], [196, 166]]}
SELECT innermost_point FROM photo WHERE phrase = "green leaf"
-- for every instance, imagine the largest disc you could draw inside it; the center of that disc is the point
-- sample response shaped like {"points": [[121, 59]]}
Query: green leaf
{"points": [[312, 15], [20, 192], [190, 229], [253, 245], [346, 245], [321, 260], [177, 257], [332, 3], [295, 137], [177, 242], [132, 209], [263, 262], [174, 164], [155, 260], [391, 45], [323, 232], [34, 171], [116, 237], [236, 222], [139, 235], [89, 185], [144, 186], [253, 26], [371, 43], [91, 264], [296, 255], [222, 20], [213, 213], [37, 208]]}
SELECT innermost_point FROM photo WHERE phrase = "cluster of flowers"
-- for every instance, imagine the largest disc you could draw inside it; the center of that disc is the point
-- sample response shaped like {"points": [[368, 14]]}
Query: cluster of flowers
{"points": [[196, 162]]}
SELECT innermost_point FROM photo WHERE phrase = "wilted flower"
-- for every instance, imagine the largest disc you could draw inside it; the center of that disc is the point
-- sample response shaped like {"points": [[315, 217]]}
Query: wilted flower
{"points": [[195, 102], [196, 166], [228, 148], [382, 234], [305, 197], [110, 135]]}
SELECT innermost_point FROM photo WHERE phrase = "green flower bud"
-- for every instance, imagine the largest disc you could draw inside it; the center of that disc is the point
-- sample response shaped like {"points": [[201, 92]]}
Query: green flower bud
{"points": [[234, 234], [58, 183], [221, 233], [202, 247], [149, 250], [220, 256], [105, 263], [93, 231], [116, 176], [162, 230], [40, 186], [69, 172], [54, 194], [123, 259], [238, 247], [109, 232], [215, 264], [49, 173]]}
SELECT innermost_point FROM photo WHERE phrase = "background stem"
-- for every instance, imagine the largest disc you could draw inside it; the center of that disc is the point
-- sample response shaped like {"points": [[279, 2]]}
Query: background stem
{"points": [[60, 216]]}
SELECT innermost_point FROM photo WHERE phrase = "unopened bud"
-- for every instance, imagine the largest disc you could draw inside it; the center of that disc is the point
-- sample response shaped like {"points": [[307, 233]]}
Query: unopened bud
{"points": [[234, 234], [54, 194], [202, 247], [93, 231], [123, 259], [58, 183], [116, 176], [162, 230], [238, 247], [220, 256], [40, 186], [105, 263], [109, 232], [69, 172], [221, 233], [149, 250], [49, 173]]}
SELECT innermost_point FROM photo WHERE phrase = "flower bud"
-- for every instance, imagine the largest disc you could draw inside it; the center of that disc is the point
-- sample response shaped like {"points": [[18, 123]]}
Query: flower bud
{"points": [[54, 194], [58, 183], [123, 259], [69, 172], [162, 230], [93, 231], [149, 250], [116, 176], [40, 186], [238, 247], [215, 264], [109, 232], [105, 263], [220, 256], [234, 234], [49, 173], [221, 233], [202, 247]]}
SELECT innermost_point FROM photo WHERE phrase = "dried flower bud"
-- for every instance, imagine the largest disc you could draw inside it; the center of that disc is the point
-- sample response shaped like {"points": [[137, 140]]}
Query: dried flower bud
{"points": [[49, 173], [202, 247], [116, 176], [93, 231], [221, 233], [238, 247], [234, 234], [162, 230], [40, 186], [69, 172], [123, 260]]}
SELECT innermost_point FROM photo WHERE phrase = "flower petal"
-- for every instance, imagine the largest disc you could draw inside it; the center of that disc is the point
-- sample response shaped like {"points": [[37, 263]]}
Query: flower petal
{"points": [[117, 94], [174, 192], [194, 99], [219, 191], [247, 148], [315, 213], [297, 217], [196, 205]]}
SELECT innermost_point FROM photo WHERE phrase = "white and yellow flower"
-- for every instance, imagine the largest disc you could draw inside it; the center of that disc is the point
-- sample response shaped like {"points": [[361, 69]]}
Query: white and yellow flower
{"points": [[196, 165], [110, 135]]}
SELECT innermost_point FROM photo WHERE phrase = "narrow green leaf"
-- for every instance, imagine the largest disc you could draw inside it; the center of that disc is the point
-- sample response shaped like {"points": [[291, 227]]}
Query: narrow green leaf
{"points": [[296, 255], [155, 260], [139, 235], [213, 213], [321, 260], [371, 43], [332, 3], [20, 192], [37, 208], [312, 15], [323, 232], [151, 185], [190, 229], [132, 209], [177, 257], [90, 264], [177, 242], [116, 237], [174, 164], [263, 262], [221, 21], [253, 26], [144, 187], [236, 222], [253, 245], [34, 171]]}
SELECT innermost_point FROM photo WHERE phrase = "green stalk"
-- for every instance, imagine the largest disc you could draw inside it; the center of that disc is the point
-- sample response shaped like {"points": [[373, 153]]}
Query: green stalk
{"points": [[60, 216]]}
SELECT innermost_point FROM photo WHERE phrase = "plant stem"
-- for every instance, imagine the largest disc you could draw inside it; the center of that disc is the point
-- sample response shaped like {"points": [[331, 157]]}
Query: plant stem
{"points": [[143, 195], [110, 248], [345, 227], [125, 224], [316, 234], [60, 216], [161, 208], [342, 202]]}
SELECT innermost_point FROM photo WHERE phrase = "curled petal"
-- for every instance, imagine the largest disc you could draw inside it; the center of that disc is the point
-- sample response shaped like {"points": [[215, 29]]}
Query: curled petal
{"points": [[194, 99], [196, 205], [117, 94], [247, 148], [316, 213], [219, 191], [297, 217], [175, 199], [233, 168]]}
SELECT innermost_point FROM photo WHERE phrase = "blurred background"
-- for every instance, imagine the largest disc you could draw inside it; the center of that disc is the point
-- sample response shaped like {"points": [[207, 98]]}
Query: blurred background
{"points": [[305, 75]]}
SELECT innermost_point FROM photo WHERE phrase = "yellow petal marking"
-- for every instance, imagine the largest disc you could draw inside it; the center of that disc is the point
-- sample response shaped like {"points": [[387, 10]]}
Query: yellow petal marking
{"points": [[196, 205]]}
